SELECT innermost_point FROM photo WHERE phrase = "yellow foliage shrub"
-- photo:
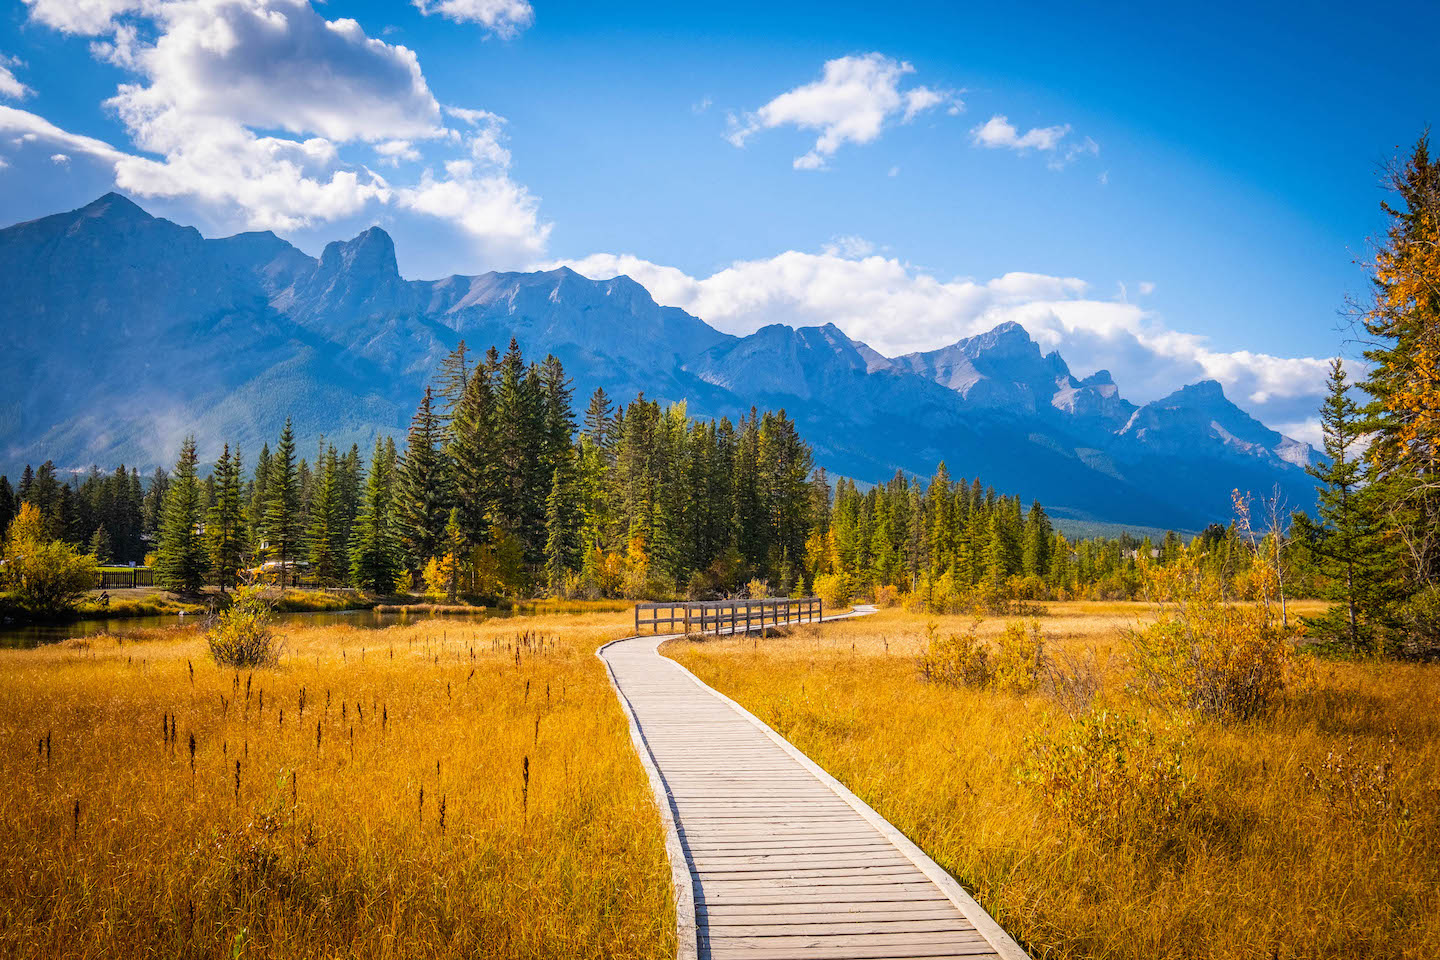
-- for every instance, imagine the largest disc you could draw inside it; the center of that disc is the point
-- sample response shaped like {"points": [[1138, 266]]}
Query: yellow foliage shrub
{"points": [[1114, 775], [835, 589]]}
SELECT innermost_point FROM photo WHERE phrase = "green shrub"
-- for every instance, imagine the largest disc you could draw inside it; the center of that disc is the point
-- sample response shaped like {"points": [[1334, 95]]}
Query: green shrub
{"points": [[1112, 774], [1019, 658], [240, 634]]}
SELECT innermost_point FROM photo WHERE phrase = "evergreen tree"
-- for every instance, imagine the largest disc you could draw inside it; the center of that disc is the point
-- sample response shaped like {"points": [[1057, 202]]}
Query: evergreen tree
{"points": [[327, 546], [282, 522], [1347, 542], [374, 552], [225, 533], [101, 546], [474, 456], [599, 421], [563, 523], [422, 487], [181, 562], [9, 506]]}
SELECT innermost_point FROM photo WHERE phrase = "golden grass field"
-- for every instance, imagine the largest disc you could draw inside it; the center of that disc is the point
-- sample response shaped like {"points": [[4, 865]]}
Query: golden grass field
{"points": [[1270, 862], [112, 844]]}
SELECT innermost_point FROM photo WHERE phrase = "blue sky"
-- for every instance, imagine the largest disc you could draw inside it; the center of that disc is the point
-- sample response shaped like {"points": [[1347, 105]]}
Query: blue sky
{"points": [[1169, 195]]}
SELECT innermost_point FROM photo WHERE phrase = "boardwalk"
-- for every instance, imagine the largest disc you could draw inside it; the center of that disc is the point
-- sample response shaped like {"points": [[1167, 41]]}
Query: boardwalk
{"points": [[772, 857]]}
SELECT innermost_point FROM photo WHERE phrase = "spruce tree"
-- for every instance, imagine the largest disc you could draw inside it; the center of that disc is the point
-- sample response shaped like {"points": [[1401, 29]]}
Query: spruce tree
{"points": [[474, 457], [422, 487], [374, 552], [281, 525], [101, 546], [225, 533], [1347, 541], [181, 562], [326, 543]]}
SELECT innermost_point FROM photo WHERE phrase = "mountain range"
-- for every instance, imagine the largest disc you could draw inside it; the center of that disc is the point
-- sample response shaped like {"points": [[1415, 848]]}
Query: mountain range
{"points": [[123, 332]]}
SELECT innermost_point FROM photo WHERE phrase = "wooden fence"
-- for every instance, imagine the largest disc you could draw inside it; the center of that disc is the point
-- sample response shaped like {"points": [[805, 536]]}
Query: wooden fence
{"points": [[734, 616], [120, 579]]}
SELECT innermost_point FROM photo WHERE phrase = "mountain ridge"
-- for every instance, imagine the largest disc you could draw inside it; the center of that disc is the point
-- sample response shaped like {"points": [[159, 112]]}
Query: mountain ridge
{"points": [[151, 330]]}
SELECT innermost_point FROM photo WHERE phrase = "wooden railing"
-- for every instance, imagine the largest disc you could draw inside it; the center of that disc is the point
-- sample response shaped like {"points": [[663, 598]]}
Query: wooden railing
{"points": [[731, 616], [121, 579]]}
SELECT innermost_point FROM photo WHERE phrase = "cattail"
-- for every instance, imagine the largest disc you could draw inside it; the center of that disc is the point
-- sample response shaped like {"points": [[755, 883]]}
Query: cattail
{"points": [[76, 834], [317, 736], [437, 768], [517, 654], [302, 703], [294, 791], [352, 742], [447, 690], [344, 710], [47, 747], [442, 813], [192, 672], [547, 694], [422, 801], [224, 706], [384, 717], [537, 728], [472, 675], [192, 754], [237, 783], [327, 703], [282, 716], [525, 788], [527, 691]]}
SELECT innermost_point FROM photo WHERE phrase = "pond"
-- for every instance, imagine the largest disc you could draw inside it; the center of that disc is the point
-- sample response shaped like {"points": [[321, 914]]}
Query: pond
{"points": [[13, 635]]}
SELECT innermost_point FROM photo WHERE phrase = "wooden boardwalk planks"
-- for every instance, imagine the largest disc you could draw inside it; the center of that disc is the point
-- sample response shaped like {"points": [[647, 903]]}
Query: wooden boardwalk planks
{"points": [[782, 861]]}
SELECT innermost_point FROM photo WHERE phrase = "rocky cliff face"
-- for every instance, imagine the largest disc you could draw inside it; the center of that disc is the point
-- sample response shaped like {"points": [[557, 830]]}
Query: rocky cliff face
{"points": [[123, 332]]}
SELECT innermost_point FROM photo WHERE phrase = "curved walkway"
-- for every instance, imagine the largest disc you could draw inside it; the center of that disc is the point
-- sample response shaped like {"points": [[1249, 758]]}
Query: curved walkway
{"points": [[772, 857]]}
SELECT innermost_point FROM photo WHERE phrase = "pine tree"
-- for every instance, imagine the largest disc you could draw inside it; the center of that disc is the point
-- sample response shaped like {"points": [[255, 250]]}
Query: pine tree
{"points": [[474, 457], [9, 506], [225, 534], [101, 546], [422, 487], [282, 529], [454, 376], [599, 422], [181, 563], [1347, 541], [374, 553], [327, 546]]}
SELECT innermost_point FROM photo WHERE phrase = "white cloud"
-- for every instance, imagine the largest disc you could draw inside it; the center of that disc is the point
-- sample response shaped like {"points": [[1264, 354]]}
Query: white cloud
{"points": [[393, 151], [84, 17], [999, 132], [10, 85], [897, 309], [1146, 288], [60, 159], [503, 17], [850, 247], [255, 108], [852, 102]]}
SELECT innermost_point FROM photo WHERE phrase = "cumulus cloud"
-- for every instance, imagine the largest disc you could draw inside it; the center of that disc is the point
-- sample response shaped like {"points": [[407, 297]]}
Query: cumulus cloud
{"points": [[10, 86], [898, 309], [854, 100], [256, 108], [503, 17], [83, 17]]}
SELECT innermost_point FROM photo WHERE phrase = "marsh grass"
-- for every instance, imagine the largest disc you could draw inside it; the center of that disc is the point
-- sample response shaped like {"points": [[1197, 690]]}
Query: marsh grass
{"points": [[1310, 831], [442, 789]]}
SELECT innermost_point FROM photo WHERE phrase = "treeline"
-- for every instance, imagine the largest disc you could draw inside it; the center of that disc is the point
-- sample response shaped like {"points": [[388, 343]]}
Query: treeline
{"points": [[497, 490], [949, 545]]}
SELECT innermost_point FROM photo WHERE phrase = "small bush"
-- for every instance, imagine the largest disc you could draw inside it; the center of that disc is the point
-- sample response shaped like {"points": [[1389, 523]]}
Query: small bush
{"points": [[1113, 775], [1019, 658], [886, 595], [960, 659], [240, 635], [1222, 659], [1072, 680], [835, 589]]}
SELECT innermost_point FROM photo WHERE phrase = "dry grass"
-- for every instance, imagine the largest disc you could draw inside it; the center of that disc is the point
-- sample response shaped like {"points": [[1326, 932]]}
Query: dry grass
{"points": [[112, 845], [1310, 833]]}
